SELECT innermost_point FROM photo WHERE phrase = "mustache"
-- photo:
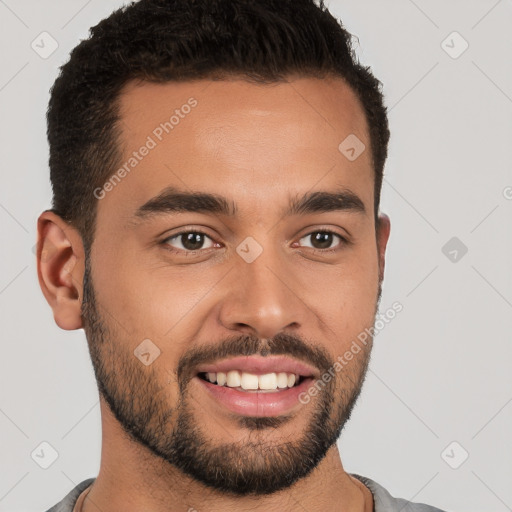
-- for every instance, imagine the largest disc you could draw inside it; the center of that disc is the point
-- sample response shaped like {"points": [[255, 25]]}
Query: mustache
{"points": [[247, 345]]}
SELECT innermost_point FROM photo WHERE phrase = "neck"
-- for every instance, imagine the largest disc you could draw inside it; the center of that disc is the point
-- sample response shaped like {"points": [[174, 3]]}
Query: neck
{"points": [[133, 478]]}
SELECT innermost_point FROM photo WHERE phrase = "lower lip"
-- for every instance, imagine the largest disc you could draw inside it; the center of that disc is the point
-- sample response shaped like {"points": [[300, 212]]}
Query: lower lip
{"points": [[255, 403]]}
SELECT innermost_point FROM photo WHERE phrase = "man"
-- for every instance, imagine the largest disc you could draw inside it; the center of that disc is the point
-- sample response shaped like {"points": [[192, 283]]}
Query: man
{"points": [[216, 168]]}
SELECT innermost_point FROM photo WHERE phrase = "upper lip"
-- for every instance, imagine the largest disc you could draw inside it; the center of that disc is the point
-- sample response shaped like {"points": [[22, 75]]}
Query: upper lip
{"points": [[260, 365]]}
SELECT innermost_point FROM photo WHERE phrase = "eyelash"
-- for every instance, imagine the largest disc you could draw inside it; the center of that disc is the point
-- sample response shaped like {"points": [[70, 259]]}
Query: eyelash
{"points": [[343, 241]]}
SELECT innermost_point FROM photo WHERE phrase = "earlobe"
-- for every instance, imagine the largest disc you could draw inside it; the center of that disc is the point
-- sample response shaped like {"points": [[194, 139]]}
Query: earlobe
{"points": [[60, 268], [383, 230]]}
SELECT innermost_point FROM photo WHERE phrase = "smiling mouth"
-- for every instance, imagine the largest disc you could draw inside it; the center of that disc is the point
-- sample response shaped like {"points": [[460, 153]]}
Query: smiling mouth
{"points": [[273, 382]]}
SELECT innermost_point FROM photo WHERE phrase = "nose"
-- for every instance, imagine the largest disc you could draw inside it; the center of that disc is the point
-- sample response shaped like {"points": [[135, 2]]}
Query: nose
{"points": [[261, 300]]}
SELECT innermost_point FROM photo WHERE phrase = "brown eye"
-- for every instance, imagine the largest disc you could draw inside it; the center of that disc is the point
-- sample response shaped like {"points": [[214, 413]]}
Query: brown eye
{"points": [[323, 240], [189, 241]]}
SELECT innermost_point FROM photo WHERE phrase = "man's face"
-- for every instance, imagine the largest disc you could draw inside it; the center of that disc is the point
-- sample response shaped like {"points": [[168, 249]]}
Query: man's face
{"points": [[257, 289]]}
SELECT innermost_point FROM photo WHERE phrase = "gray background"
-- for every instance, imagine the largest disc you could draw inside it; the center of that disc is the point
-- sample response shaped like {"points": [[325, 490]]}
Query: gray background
{"points": [[440, 371]]}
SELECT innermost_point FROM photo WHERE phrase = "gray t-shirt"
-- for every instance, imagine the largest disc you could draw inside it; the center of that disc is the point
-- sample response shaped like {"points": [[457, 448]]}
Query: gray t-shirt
{"points": [[383, 501]]}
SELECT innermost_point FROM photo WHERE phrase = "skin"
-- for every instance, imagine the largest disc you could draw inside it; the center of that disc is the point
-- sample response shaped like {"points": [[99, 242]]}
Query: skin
{"points": [[257, 145]]}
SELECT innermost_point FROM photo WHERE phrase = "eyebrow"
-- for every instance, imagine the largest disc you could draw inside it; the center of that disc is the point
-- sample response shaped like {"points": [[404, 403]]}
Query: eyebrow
{"points": [[172, 200]]}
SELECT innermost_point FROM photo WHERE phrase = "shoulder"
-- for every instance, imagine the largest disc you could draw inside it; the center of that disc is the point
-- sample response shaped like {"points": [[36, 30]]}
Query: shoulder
{"points": [[384, 502], [68, 502]]}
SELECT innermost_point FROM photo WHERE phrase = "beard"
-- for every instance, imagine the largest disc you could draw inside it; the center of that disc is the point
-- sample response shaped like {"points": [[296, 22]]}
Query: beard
{"points": [[139, 400]]}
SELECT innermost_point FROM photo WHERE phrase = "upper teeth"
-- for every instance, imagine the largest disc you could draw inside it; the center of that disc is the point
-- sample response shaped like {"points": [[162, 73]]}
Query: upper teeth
{"points": [[245, 380]]}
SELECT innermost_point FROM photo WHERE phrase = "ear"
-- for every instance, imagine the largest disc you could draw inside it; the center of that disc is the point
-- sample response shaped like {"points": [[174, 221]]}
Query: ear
{"points": [[383, 229], [60, 268]]}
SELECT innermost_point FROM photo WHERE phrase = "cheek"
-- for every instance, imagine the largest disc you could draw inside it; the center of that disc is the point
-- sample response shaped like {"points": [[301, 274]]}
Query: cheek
{"points": [[157, 301], [347, 302]]}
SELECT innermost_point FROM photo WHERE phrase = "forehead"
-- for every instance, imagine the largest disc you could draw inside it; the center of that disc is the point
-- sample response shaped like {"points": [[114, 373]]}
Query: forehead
{"points": [[254, 142]]}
